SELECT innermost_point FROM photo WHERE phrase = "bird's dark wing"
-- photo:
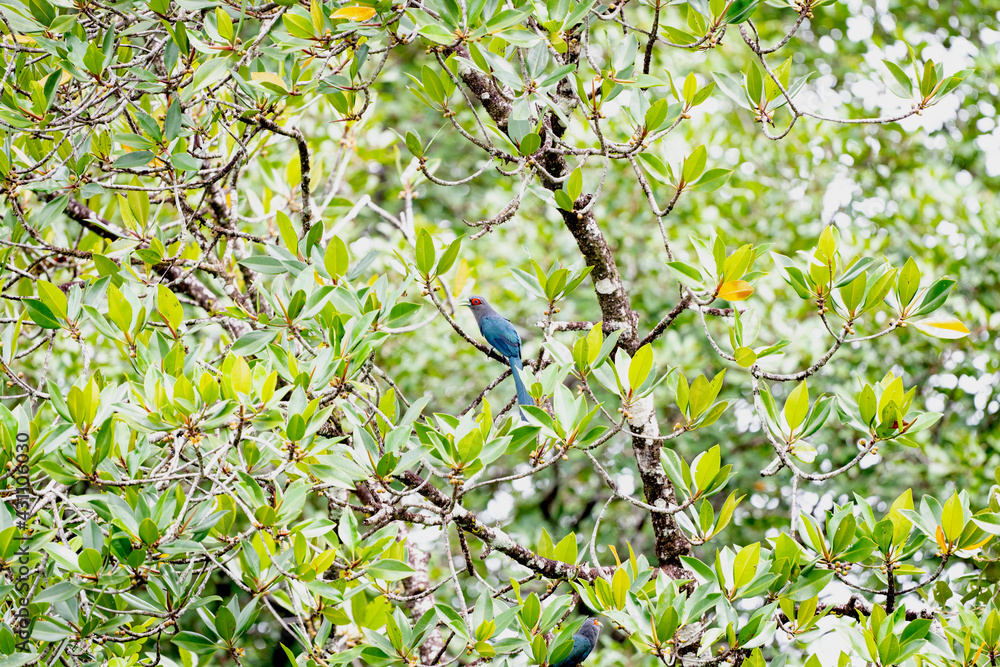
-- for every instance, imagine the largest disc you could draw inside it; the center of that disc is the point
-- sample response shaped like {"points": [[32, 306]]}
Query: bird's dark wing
{"points": [[502, 335], [581, 649]]}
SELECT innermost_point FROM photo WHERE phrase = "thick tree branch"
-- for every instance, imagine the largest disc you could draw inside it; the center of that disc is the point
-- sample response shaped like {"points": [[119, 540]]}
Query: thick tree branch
{"points": [[497, 540], [667, 320], [303, 148], [185, 284], [616, 310], [413, 586], [617, 314]]}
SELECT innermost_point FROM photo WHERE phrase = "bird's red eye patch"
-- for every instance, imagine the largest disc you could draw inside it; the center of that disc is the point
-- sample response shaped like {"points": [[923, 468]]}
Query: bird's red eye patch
{"points": [[476, 302]]}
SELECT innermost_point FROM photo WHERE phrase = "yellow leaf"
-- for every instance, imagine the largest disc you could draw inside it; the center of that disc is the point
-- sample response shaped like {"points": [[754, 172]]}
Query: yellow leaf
{"points": [[735, 290], [353, 13], [941, 541], [461, 277], [945, 327], [977, 545], [269, 77]]}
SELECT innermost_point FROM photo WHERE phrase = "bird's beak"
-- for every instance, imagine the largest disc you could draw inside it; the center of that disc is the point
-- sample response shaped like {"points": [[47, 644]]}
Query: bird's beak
{"points": [[466, 304]]}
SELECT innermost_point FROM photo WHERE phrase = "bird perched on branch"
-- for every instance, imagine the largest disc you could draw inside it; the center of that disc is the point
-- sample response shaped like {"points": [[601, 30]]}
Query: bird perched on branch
{"points": [[501, 334], [584, 642]]}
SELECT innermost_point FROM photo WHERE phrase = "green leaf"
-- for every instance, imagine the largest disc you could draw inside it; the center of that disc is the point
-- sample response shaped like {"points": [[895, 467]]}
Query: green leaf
{"points": [[262, 264], [574, 184], [172, 121], [854, 270], [298, 26], [712, 180], [566, 550], [224, 24], [619, 587], [425, 252], [879, 290], [707, 468], [530, 611], [754, 83], [148, 532], [337, 259], [53, 297], [690, 88], [952, 518], [194, 642], [953, 82], [640, 366], [413, 144], [90, 561], [745, 357], [854, 292], [169, 307], [797, 405], [686, 274], [731, 87], [449, 256], [991, 628], [868, 405], [133, 160], [530, 143], [41, 314], [265, 515], [736, 265], [240, 376], [296, 428], [563, 200], [745, 565], [287, 232], [907, 284], [655, 167], [928, 80], [389, 569], [882, 534], [900, 76], [740, 10], [694, 165], [935, 297], [656, 115]]}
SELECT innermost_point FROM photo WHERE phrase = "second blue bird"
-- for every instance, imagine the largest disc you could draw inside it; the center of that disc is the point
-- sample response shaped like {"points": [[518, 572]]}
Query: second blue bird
{"points": [[584, 642], [501, 334]]}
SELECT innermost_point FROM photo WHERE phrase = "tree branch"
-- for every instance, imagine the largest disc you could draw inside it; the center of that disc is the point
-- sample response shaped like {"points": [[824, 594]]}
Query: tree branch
{"points": [[616, 312], [497, 540], [186, 284], [304, 168]]}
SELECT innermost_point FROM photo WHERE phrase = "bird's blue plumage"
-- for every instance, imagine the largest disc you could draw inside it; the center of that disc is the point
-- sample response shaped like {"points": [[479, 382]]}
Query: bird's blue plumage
{"points": [[581, 649], [522, 392], [503, 337], [500, 333], [583, 643]]}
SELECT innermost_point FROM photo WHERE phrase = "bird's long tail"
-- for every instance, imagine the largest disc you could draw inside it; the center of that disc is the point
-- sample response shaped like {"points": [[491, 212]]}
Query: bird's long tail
{"points": [[522, 392]]}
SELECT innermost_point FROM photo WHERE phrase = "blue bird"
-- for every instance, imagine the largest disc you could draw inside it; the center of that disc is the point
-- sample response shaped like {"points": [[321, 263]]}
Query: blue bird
{"points": [[584, 642], [501, 334]]}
